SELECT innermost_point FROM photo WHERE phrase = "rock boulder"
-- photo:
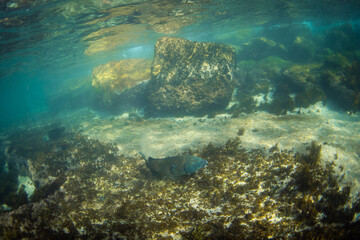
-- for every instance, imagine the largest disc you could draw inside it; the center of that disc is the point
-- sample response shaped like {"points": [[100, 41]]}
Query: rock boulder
{"points": [[190, 77], [118, 83]]}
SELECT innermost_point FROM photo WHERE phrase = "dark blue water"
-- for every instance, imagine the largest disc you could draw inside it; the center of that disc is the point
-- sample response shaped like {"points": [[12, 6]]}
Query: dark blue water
{"points": [[43, 44]]}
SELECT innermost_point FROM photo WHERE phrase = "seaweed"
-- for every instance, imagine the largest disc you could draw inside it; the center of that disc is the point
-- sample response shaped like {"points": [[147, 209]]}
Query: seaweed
{"points": [[309, 96], [241, 131], [322, 194], [238, 195], [307, 211], [198, 233], [282, 102], [314, 154], [48, 189], [340, 80], [232, 146], [246, 104], [352, 81]]}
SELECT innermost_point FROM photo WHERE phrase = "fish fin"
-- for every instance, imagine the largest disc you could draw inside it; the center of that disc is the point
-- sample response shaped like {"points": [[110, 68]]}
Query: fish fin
{"points": [[143, 156]]}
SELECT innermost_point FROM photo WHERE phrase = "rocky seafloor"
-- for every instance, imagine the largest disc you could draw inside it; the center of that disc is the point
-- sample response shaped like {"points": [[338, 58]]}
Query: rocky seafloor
{"points": [[83, 188]]}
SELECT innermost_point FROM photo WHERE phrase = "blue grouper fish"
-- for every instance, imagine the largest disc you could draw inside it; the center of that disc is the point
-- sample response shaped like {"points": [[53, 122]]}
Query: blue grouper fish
{"points": [[174, 166]]}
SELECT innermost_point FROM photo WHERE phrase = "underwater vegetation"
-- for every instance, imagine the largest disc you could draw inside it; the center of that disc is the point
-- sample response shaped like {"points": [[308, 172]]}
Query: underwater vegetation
{"points": [[298, 68], [281, 103], [341, 79], [95, 192]]}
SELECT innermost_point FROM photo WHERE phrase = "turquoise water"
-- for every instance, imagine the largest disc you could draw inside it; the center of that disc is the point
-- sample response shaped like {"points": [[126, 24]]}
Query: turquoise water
{"points": [[267, 92], [42, 42]]}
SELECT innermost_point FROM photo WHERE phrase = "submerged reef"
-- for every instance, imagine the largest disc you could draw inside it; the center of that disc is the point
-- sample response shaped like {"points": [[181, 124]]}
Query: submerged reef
{"points": [[341, 81], [281, 103], [87, 189], [312, 66], [269, 72], [342, 38], [190, 77]]}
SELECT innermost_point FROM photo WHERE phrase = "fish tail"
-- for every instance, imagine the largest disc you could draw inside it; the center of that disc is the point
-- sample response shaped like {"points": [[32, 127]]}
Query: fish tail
{"points": [[143, 156]]}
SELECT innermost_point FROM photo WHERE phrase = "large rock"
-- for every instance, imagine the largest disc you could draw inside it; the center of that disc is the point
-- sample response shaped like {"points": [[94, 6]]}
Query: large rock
{"points": [[190, 77], [115, 77], [118, 83]]}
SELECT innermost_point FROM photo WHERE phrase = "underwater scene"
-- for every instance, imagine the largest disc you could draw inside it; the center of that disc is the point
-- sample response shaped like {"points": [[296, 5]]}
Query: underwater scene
{"points": [[179, 119]]}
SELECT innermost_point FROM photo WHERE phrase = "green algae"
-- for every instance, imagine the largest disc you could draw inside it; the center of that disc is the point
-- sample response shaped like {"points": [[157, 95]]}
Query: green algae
{"points": [[340, 80], [273, 65]]}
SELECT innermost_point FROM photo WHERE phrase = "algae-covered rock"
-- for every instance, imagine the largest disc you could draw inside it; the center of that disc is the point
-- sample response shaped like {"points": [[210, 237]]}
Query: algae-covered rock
{"points": [[341, 82], [260, 48], [287, 33], [309, 96], [296, 85], [115, 79], [342, 38], [300, 77], [301, 50], [190, 77], [281, 103], [273, 65], [336, 62], [297, 38], [303, 80], [252, 88], [255, 88], [15, 4]]}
